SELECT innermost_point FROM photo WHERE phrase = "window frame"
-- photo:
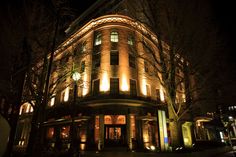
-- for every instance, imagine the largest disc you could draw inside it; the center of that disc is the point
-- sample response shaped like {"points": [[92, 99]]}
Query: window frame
{"points": [[98, 39], [114, 84], [133, 91], [114, 57], [114, 36]]}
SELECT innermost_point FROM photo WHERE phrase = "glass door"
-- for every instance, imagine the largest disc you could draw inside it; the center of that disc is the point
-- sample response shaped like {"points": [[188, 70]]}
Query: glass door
{"points": [[114, 135]]}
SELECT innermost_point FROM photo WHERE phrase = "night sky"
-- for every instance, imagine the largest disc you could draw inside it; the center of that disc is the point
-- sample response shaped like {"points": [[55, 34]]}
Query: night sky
{"points": [[223, 17]]}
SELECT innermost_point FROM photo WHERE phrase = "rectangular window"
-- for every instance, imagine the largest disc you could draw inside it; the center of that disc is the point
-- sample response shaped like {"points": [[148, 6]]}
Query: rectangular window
{"points": [[114, 36], [133, 90], [158, 94], [130, 40], [114, 86], [114, 58], [96, 59], [82, 66], [146, 69], [98, 39], [83, 47], [132, 61], [96, 87]]}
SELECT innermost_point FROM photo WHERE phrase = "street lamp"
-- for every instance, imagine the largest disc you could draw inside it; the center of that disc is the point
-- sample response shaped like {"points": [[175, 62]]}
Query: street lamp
{"points": [[75, 76]]}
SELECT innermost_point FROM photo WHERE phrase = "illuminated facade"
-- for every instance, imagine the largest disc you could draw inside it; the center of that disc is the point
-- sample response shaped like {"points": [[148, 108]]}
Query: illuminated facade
{"points": [[119, 102]]}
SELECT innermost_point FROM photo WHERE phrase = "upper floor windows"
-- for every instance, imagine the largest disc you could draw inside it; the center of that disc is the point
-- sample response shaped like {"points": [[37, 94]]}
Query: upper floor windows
{"points": [[130, 40], [82, 66], [98, 39], [114, 36], [114, 86], [133, 89], [96, 87], [114, 58], [83, 47], [146, 66], [132, 60], [96, 59]]}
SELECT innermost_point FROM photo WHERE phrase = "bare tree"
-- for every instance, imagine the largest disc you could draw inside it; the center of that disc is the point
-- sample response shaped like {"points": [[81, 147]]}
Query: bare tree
{"points": [[185, 42]]}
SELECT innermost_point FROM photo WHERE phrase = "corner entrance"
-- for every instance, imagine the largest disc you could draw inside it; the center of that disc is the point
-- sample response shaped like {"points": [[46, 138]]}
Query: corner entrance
{"points": [[114, 130]]}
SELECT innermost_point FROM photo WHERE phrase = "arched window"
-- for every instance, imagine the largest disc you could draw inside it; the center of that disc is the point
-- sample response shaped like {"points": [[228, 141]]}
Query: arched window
{"points": [[107, 119], [114, 36], [25, 108]]}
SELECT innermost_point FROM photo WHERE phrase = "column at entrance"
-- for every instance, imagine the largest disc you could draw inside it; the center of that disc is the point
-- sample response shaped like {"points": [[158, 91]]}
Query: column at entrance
{"points": [[162, 130], [128, 128], [101, 132]]}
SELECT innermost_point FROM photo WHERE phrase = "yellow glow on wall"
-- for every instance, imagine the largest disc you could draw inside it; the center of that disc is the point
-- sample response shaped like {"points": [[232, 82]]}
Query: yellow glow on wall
{"points": [[144, 87], [184, 98], [145, 137], [124, 83], [162, 96], [28, 107], [31, 109], [105, 84], [85, 90], [186, 132], [66, 96]]}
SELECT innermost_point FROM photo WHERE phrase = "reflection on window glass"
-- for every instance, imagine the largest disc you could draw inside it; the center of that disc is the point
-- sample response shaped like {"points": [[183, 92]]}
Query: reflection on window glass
{"points": [[98, 39], [65, 130]]}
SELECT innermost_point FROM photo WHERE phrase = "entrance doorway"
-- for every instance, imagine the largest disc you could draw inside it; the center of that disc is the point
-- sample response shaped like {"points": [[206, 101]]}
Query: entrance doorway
{"points": [[114, 130], [115, 135]]}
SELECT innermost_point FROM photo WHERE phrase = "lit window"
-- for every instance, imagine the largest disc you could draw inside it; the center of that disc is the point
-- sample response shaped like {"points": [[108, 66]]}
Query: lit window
{"points": [[50, 133], [130, 40], [65, 130], [114, 36], [26, 108], [98, 39]]}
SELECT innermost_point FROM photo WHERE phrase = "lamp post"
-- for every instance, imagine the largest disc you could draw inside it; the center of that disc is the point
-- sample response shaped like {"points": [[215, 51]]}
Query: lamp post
{"points": [[75, 76]]}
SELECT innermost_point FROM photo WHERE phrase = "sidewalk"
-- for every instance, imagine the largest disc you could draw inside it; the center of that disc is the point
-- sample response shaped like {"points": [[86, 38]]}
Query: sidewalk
{"points": [[217, 152], [206, 153]]}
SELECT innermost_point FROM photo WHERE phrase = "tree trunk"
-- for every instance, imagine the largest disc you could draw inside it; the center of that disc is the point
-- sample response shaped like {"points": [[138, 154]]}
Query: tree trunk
{"points": [[176, 139], [33, 134]]}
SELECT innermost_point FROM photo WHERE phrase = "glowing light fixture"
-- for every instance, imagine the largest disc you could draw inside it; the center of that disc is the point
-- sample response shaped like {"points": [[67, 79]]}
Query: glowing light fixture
{"points": [[76, 76]]}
